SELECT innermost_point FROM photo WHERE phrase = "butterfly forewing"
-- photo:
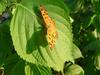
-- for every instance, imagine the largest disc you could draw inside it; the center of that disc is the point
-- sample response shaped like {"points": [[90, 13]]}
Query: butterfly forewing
{"points": [[50, 27]]}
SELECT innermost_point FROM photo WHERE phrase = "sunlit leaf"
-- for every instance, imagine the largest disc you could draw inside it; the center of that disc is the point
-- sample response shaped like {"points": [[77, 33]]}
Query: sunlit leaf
{"points": [[31, 69], [76, 52], [23, 68], [97, 25], [16, 66], [74, 70], [28, 37], [3, 4], [97, 60]]}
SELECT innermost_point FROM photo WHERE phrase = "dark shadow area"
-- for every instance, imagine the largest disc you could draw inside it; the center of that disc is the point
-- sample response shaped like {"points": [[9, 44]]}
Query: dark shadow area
{"points": [[39, 36], [37, 39], [39, 18]]}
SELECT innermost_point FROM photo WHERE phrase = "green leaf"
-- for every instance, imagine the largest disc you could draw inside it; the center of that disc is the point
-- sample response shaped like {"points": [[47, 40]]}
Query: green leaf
{"points": [[97, 59], [10, 63], [23, 68], [18, 69], [97, 25], [74, 70], [76, 52], [28, 37], [74, 5], [96, 7], [3, 4], [95, 45], [31, 69], [91, 62], [15, 66], [5, 41]]}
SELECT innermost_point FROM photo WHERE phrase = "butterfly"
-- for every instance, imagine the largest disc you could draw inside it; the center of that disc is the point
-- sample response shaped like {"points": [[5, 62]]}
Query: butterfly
{"points": [[50, 27]]}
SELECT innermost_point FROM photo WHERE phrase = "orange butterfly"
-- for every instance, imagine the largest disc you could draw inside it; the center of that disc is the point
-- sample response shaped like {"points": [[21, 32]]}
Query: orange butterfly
{"points": [[50, 27]]}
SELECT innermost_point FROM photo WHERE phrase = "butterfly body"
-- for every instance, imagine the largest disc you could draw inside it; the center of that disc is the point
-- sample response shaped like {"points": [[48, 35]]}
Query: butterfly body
{"points": [[50, 27]]}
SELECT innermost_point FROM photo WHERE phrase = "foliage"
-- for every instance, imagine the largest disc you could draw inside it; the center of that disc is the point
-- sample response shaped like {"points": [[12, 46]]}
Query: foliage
{"points": [[24, 47]]}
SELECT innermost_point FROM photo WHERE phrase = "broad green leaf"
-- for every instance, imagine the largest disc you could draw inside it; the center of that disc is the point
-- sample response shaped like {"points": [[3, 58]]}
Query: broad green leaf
{"points": [[74, 70], [3, 4], [10, 3], [76, 52], [5, 41], [20, 67], [10, 62], [89, 66], [95, 45], [74, 5], [97, 25], [96, 7], [88, 21], [31, 69], [97, 59], [28, 36]]}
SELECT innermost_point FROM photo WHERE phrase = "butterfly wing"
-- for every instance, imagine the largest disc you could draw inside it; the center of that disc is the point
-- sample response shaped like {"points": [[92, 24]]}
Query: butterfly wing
{"points": [[50, 27]]}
